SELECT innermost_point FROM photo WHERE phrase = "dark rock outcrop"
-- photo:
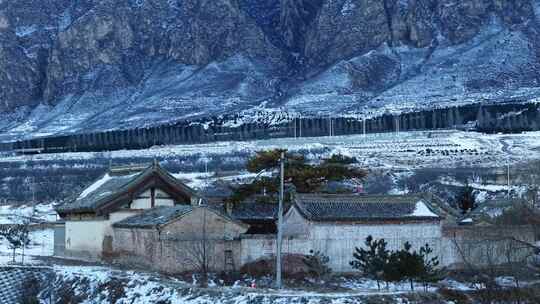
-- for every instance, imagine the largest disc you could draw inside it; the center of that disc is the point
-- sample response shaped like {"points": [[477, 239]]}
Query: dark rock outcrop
{"points": [[84, 60]]}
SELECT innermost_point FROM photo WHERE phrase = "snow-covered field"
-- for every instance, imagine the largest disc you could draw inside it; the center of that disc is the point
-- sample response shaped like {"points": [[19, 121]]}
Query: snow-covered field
{"points": [[405, 150], [91, 283], [41, 241], [19, 214], [41, 245]]}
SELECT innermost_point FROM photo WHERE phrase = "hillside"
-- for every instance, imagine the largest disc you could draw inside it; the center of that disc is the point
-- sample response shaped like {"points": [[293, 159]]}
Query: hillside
{"points": [[81, 66]]}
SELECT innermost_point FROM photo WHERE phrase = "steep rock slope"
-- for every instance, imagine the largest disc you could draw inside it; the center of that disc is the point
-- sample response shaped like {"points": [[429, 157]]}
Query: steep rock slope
{"points": [[77, 66]]}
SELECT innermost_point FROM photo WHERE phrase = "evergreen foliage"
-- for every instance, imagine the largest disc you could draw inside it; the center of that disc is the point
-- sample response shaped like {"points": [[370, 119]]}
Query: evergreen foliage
{"points": [[299, 173], [431, 271], [317, 264], [467, 200], [408, 264], [372, 261], [262, 185], [378, 263], [340, 159]]}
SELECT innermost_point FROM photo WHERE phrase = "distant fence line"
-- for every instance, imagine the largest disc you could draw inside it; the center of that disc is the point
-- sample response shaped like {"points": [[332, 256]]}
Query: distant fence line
{"points": [[507, 117]]}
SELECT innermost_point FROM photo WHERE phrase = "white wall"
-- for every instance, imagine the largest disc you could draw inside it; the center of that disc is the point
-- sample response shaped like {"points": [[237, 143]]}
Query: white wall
{"points": [[85, 237], [144, 201], [338, 240], [294, 225], [254, 247]]}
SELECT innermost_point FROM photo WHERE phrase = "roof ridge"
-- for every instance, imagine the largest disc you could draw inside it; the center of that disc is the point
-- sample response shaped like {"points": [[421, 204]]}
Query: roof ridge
{"points": [[119, 184], [357, 195], [127, 169], [355, 207]]}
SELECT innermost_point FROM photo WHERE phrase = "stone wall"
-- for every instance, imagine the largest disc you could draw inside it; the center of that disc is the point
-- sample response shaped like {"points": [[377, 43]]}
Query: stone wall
{"points": [[175, 247], [178, 246], [338, 241], [152, 249], [480, 245]]}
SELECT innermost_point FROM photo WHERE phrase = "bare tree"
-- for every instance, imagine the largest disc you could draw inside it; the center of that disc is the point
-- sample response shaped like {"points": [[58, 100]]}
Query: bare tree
{"points": [[200, 251], [487, 256], [17, 236]]}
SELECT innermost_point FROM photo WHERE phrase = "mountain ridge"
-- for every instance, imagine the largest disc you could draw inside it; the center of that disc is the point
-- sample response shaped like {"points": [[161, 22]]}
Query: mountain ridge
{"points": [[87, 65]]}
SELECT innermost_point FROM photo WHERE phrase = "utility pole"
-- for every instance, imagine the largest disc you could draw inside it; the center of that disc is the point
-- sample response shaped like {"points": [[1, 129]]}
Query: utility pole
{"points": [[279, 284], [300, 127], [33, 192], [508, 176], [364, 127]]}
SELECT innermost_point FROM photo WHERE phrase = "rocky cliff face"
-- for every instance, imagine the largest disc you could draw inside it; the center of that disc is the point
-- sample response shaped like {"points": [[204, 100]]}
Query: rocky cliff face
{"points": [[75, 65]]}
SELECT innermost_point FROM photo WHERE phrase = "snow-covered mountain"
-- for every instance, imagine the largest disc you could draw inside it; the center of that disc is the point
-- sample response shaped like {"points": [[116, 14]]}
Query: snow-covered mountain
{"points": [[86, 65]]}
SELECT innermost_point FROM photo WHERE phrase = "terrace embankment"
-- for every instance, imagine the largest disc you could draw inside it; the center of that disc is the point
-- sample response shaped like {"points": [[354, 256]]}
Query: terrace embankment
{"points": [[506, 117]]}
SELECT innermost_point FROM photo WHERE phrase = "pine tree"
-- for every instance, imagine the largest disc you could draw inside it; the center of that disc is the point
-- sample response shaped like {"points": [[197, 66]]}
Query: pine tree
{"points": [[430, 269], [340, 159], [409, 264], [378, 263], [303, 176], [467, 200], [372, 261]]}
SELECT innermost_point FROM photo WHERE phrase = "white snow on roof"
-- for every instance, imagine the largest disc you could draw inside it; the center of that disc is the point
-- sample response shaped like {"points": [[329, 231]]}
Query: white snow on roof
{"points": [[95, 186], [421, 210]]}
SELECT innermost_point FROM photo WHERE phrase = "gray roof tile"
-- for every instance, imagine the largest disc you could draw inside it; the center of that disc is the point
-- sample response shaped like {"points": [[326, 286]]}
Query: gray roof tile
{"points": [[154, 217], [114, 183], [105, 186], [322, 207], [255, 211]]}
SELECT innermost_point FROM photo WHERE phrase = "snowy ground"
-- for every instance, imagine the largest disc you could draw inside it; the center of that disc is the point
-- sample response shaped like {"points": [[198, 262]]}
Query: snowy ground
{"points": [[106, 285], [41, 245], [41, 241], [19, 214], [406, 150], [147, 288]]}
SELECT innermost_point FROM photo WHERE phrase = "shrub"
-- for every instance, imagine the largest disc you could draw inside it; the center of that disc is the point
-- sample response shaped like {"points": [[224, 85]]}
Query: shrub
{"points": [[456, 296], [317, 264]]}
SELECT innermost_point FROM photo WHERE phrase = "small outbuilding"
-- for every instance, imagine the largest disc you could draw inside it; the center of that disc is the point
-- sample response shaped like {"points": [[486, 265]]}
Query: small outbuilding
{"points": [[87, 220], [336, 224], [180, 238]]}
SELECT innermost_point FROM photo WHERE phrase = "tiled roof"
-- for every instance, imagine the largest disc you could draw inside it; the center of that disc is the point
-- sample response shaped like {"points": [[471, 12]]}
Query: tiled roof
{"points": [[489, 210], [329, 207], [113, 184], [14, 282], [255, 211], [154, 217], [100, 190]]}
